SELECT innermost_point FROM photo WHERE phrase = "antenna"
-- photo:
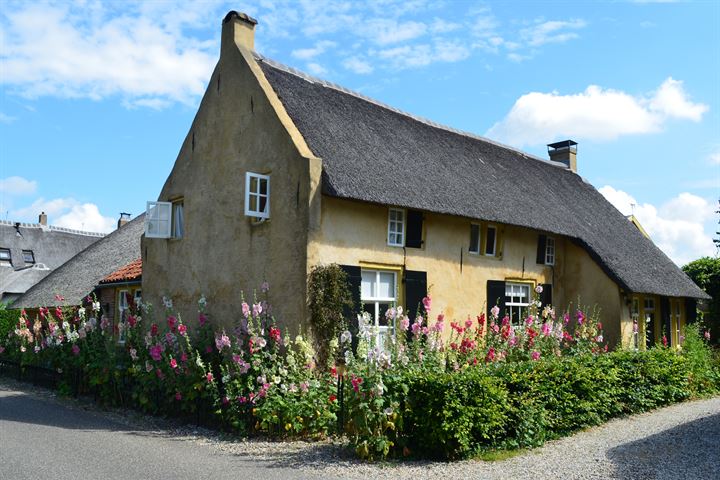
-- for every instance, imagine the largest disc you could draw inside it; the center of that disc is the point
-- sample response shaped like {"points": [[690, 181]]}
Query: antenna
{"points": [[632, 209]]}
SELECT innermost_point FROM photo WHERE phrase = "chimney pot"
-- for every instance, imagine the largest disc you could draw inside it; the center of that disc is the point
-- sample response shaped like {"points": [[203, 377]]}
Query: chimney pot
{"points": [[124, 218], [238, 29], [564, 152], [42, 219]]}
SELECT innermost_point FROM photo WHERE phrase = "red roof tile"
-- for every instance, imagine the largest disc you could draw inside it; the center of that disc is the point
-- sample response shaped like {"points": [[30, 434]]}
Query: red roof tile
{"points": [[131, 271]]}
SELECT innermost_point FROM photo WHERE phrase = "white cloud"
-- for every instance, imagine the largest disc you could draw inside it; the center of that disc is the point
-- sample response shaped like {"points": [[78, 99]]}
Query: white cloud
{"points": [[94, 52], [555, 31], [17, 186], [388, 31], [86, 217], [358, 65], [677, 226], [412, 56], [714, 158], [6, 119], [308, 53], [442, 26], [316, 68], [596, 114]]}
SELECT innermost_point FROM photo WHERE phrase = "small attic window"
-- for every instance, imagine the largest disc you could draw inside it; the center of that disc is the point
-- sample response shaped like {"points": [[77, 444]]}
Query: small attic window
{"points": [[257, 195], [5, 257], [28, 257], [158, 220]]}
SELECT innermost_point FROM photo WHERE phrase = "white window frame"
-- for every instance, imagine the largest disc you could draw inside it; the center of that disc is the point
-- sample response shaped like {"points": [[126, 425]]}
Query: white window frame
{"points": [[374, 299], [550, 251], [7, 256], [160, 212], [249, 176], [512, 306], [495, 241], [479, 239], [392, 231], [122, 306]]}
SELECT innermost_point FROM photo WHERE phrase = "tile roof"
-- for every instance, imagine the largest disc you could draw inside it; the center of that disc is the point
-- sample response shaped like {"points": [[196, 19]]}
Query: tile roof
{"points": [[374, 153], [131, 271]]}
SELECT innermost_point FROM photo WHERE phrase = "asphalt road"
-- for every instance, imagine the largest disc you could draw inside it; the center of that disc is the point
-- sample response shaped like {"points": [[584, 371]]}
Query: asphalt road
{"points": [[41, 438]]}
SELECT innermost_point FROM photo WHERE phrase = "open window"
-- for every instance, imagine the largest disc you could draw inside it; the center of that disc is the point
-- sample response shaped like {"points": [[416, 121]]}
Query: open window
{"points": [[475, 239], [257, 195], [405, 228], [158, 220], [491, 241], [546, 250]]}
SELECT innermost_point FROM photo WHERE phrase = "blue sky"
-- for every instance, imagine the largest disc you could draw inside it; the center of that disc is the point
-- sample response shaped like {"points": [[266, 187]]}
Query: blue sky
{"points": [[96, 97]]}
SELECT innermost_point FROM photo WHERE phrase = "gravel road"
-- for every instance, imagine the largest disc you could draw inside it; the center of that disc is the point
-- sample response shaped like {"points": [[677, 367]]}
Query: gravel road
{"points": [[42, 436]]}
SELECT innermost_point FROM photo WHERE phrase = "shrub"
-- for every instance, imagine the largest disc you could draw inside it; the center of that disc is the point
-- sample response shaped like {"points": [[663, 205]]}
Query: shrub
{"points": [[8, 319]]}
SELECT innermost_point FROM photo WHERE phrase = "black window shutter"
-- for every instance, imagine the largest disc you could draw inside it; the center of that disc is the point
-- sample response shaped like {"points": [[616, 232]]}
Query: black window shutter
{"points": [[415, 291], [495, 296], [546, 295], [542, 245], [354, 277], [414, 229], [665, 316], [690, 311]]}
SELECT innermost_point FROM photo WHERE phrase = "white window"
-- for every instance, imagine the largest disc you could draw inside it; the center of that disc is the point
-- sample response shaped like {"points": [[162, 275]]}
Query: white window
{"points": [[257, 195], [158, 220], [549, 251], [378, 293], [137, 298], [178, 219], [5, 257], [517, 300], [490, 241], [474, 238], [123, 313], [396, 227]]}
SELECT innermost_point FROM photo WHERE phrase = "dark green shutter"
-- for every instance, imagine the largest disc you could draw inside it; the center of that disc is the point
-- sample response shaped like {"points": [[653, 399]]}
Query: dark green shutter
{"points": [[690, 311], [496, 296], [665, 317], [354, 277], [542, 247], [415, 291], [414, 229], [546, 295]]}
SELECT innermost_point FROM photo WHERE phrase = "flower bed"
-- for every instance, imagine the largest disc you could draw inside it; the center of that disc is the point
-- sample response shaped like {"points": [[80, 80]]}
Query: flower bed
{"points": [[429, 391]]}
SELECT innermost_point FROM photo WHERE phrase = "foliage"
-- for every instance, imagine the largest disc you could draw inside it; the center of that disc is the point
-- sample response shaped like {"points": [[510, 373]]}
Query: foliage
{"points": [[328, 297], [8, 318], [705, 272]]}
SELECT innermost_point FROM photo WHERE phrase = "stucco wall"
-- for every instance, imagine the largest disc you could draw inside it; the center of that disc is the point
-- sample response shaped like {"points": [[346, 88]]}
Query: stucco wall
{"points": [[237, 129]]}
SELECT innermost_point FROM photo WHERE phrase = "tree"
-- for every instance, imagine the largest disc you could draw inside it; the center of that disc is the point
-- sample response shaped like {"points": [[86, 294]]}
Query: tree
{"points": [[705, 272]]}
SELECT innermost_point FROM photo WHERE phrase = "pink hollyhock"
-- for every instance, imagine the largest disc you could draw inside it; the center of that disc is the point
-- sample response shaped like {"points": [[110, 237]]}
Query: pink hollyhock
{"points": [[153, 329], [356, 381], [427, 303], [76, 350], [566, 318], [599, 326], [495, 311], [202, 319], [209, 377], [468, 323], [58, 312], [440, 324], [275, 334], [208, 349], [178, 396], [156, 352], [416, 327], [265, 287], [2, 349], [132, 321], [159, 373], [257, 309], [182, 329], [241, 399], [171, 322], [173, 363], [490, 357], [183, 357], [664, 341], [405, 323], [707, 335], [59, 297], [545, 329], [535, 355], [580, 317], [245, 309]]}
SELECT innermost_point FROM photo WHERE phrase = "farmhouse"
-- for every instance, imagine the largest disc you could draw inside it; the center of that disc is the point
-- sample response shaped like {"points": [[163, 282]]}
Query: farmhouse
{"points": [[281, 171]]}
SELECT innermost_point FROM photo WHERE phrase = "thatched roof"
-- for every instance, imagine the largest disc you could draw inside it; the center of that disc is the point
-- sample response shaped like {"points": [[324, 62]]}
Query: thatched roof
{"points": [[374, 153]]}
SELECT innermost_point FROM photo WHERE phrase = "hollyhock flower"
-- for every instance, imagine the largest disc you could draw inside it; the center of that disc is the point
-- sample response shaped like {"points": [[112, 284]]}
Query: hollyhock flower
{"points": [[173, 363], [356, 381], [251, 396], [222, 341], [58, 312], [245, 309], [599, 339], [96, 306], [635, 326], [59, 298], [539, 289], [495, 311], [707, 335], [599, 325], [182, 329], [133, 354], [505, 321], [76, 350], [183, 357], [209, 377], [495, 328], [390, 313], [566, 318], [304, 387], [416, 328], [169, 338], [257, 309], [580, 317], [178, 396], [664, 341], [545, 329], [37, 348], [529, 320], [2, 349], [153, 329], [23, 349], [208, 349], [490, 357], [405, 323], [427, 302], [275, 334], [468, 323], [265, 286], [132, 321], [332, 398], [439, 324], [156, 352], [171, 322], [81, 312], [345, 337], [167, 302], [241, 399], [202, 319], [535, 355]]}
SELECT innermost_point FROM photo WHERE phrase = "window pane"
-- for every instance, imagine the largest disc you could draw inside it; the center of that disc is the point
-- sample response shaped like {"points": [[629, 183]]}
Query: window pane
{"points": [[475, 238], [253, 203], [386, 287], [253, 185], [263, 186], [367, 286], [490, 246], [382, 319], [369, 307], [263, 204]]}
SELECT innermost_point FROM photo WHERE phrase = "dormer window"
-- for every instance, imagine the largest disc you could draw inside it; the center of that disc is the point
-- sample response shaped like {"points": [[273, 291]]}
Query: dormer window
{"points": [[28, 257], [5, 257], [257, 195]]}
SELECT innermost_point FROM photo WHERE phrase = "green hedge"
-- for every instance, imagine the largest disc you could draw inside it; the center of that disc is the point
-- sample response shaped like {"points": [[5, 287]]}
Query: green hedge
{"points": [[456, 415], [8, 319]]}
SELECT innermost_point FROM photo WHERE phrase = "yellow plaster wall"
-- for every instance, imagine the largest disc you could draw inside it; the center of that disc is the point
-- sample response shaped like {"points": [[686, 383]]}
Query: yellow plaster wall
{"points": [[240, 126]]}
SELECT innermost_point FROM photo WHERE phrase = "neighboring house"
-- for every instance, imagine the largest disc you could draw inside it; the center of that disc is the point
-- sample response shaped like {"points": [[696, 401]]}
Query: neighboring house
{"points": [[281, 172], [78, 277], [30, 251], [120, 292]]}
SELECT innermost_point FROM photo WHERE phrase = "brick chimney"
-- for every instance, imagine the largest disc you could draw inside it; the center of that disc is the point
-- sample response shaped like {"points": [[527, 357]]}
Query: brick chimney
{"points": [[124, 218], [238, 29], [564, 152], [42, 219]]}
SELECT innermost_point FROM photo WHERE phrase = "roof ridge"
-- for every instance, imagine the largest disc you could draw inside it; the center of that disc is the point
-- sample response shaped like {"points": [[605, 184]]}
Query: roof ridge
{"points": [[426, 121], [10, 223]]}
